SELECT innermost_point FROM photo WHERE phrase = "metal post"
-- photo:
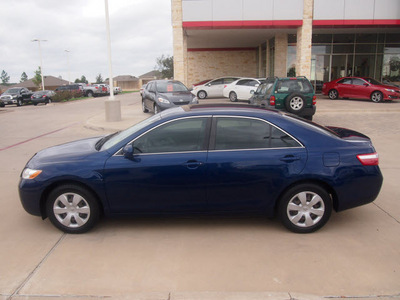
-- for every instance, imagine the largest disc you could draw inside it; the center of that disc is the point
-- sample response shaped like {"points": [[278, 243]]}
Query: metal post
{"points": [[41, 62], [69, 75], [113, 106]]}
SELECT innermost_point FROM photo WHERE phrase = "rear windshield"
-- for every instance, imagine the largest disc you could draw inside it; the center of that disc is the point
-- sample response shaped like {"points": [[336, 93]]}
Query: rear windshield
{"points": [[292, 86], [170, 87]]}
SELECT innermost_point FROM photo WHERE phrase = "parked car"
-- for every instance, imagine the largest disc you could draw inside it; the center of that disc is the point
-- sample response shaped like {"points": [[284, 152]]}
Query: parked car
{"points": [[212, 88], [360, 88], [117, 90], [95, 90], [163, 94], [200, 83], [15, 95], [241, 89], [42, 97], [205, 159], [75, 89], [142, 88], [292, 94]]}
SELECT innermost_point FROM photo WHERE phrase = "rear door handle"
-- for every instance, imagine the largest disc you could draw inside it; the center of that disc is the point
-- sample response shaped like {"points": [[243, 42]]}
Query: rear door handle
{"points": [[290, 158], [193, 164]]}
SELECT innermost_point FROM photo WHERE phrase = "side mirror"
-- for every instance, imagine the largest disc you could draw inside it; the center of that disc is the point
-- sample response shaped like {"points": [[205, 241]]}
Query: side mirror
{"points": [[128, 151], [366, 84], [208, 84]]}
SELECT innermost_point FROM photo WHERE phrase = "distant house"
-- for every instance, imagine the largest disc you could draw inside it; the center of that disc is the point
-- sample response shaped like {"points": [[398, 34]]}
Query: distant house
{"points": [[126, 82], [50, 83]]}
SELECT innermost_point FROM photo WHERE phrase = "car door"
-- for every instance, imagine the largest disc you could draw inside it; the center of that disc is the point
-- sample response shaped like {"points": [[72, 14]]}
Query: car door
{"points": [[344, 87], [249, 163], [167, 173], [214, 88], [360, 89]]}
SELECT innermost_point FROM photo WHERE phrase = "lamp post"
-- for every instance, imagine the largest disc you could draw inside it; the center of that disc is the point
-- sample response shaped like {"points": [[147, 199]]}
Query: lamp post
{"points": [[69, 77], [41, 63], [112, 105]]}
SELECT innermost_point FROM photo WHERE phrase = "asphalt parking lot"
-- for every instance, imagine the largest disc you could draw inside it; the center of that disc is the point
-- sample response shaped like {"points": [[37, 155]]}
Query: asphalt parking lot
{"points": [[356, 255]]}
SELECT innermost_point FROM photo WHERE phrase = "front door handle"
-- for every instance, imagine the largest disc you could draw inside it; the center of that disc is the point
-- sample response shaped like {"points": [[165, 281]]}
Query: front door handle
{"points": [[193, 164]]}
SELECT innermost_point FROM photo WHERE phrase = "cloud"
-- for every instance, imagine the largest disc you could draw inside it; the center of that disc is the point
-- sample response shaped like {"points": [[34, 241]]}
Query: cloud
{"points": [[141, 31]]}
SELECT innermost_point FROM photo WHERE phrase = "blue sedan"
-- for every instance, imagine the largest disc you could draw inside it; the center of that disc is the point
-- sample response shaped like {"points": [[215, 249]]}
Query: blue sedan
{"points": [[207, 159]]}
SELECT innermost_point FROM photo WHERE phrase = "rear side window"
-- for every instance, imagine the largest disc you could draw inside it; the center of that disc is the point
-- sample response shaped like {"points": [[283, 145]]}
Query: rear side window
{"points": [[345, 81], [245, 133], [293, 86]]}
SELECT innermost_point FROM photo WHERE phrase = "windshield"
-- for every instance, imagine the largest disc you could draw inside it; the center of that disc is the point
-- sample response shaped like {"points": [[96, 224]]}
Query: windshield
{"points": [[113, 139], [170, 87], [11, 91], [373, 81]]}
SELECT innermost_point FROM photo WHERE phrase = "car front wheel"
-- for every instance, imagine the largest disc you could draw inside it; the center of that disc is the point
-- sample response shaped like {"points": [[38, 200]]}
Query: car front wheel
{"points": [[333, 94], [72, 209], [376, 97], [19, 102], [202, 95], [305, 208]]}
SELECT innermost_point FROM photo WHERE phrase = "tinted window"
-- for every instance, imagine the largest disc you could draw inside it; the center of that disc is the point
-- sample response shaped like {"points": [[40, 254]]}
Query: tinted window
{"points": [[357, 81], [345, 81], [229, 80], [217, 81], [243, 133], [177, 136], [292, 86]]}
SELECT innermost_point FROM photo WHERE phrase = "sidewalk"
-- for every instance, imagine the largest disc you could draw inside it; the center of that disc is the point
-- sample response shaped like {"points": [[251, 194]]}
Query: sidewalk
{"points": [[132, 113]]}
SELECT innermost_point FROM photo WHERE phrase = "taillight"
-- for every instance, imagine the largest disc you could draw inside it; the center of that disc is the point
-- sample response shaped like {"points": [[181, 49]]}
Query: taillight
{"points": [[225, 85], [371, 159], [44, 96], [272, 100], [314, 100]]}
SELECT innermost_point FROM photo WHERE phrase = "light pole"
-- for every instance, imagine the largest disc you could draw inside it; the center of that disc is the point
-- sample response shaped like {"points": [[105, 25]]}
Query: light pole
{"points": [[41, 63], [69, 77], [113, 106]]}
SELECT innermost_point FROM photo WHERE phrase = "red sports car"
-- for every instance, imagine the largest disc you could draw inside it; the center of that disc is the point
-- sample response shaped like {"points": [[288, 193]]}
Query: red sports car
{"points": [[360, 88]]}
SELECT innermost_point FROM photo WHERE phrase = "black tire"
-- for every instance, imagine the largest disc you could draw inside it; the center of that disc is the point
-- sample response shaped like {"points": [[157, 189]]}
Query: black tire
{"points": [[19, 102], [72, 209], [233, 97], [202, 94], [333, 94], [89, 94], [144, 109], [48, 101], [35, 104], [295, 103], [2, 104], [298, 214], [376, 97], [156, 109]]}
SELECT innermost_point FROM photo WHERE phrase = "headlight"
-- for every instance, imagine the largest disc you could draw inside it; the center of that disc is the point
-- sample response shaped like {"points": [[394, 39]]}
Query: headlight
{"points": [[162, 100], [30, 174], [389, 90]]}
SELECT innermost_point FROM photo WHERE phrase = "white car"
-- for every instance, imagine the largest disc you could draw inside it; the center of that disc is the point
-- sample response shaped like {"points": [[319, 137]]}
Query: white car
{"points": [[212, 88], [242, 89]]}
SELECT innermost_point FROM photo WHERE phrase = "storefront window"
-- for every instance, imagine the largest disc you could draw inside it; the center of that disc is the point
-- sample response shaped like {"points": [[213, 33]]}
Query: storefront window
{"points": [[343, 38], [366, 38], [366, 48], [321, 49], [343, 48], [291, 61]]}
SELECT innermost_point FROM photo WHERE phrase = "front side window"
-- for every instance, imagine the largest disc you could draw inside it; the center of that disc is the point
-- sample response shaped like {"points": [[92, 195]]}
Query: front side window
{"points": [[216, 82], [177, 136], [357, 81], [245, 133]]}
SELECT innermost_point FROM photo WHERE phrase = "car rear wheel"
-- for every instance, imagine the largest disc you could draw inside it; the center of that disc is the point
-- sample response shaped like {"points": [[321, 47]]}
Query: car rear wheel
{"points": [[233, 97], [305, 208], [333, 94], [295, 103], [202, 95], [376, 97], [72, 209]]}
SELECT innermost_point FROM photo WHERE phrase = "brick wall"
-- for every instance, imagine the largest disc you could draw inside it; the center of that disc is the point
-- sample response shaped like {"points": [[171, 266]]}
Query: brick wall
{"points": [[212, 64]]}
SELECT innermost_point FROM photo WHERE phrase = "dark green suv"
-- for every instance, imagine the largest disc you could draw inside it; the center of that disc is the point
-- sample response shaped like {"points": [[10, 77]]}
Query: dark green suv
{"points": [[292, 94]]}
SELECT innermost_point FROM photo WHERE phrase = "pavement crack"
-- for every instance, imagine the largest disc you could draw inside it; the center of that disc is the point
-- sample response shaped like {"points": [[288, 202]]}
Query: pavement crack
{"points": [[386, 213], [30, 275]]}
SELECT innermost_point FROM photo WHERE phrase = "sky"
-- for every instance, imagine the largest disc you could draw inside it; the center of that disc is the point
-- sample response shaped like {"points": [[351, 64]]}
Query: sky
{"points": [[140, 32]]}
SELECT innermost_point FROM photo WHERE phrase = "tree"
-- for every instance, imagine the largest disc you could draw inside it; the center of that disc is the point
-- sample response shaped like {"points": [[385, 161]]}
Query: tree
{"points": [[4, 77], [99, 78], [165, 64], [37, 79], [82, 80], [24, 77]]}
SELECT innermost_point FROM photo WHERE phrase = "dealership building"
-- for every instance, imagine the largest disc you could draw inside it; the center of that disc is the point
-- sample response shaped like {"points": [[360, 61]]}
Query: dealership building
{"points": [[320, 39]]}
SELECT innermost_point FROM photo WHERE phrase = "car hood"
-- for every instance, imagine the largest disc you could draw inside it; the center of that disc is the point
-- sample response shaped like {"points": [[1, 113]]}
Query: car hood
{"points": [[73, 151], [177, 96]]}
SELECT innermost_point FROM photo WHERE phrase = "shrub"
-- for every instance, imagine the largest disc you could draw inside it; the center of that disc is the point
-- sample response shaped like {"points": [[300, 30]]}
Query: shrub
{"points": [[62, 96]]}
